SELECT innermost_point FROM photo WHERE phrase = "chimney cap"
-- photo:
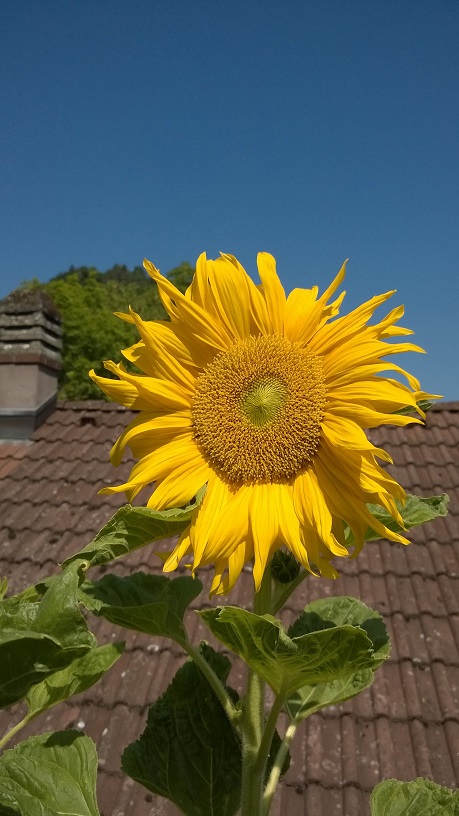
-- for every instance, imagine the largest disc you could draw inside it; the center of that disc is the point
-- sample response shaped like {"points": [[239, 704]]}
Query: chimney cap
{"points": [[23, 301]]}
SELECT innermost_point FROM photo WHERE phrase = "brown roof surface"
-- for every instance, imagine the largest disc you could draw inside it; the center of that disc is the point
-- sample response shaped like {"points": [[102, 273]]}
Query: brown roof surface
{"points": [[405, 725]]}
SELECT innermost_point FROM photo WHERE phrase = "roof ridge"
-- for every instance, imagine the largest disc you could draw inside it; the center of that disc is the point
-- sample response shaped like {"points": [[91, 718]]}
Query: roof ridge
{"points": [[104, 405], [91, 405], [445, 405]]}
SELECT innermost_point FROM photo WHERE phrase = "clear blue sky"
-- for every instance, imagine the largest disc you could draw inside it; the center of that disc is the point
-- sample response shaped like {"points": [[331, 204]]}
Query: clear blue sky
{"points": [[313, 129]]}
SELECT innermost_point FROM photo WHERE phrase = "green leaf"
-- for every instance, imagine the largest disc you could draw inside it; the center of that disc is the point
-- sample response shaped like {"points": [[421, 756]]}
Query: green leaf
{"points": [[37, 639], [134, 527], [418, 798], [311, 698], [58, 613], [188, 752], [340, 611], [25, 659], [326, 614], [50, 775], [288, 663], [75, 678], [417, 510], [153, 604]]}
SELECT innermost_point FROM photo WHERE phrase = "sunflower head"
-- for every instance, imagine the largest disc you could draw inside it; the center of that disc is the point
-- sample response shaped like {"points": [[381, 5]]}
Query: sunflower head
{"points": [[264, 399]]}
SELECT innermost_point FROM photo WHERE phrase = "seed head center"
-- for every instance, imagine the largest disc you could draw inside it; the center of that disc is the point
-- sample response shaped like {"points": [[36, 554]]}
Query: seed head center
{"points": [[263, 401], [258, 409]]}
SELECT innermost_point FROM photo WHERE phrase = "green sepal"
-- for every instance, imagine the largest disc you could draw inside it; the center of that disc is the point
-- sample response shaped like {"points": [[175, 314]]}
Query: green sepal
{"points": [[418, 798], [327, 613], [425, 405], [154, 604], [39, 638], [80, 675], [189, 752], [288, 663], [134, 527], [284, 567], [50, 775], [415, 511]]}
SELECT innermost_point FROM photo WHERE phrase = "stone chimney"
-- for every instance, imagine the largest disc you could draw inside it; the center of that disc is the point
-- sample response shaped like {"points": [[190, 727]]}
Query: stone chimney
{"points": [[30, 361]]}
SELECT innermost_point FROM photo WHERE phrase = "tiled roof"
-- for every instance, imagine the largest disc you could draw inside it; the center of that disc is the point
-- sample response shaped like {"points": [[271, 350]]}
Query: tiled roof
{"points": [[405, 725]]}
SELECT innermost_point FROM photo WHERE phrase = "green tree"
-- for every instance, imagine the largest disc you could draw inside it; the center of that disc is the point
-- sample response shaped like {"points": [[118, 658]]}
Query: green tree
{"points": [[87, 299]]}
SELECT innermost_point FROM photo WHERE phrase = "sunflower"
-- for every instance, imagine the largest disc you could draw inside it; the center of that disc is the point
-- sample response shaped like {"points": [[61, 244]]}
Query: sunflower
{"points": [[264, 400]]}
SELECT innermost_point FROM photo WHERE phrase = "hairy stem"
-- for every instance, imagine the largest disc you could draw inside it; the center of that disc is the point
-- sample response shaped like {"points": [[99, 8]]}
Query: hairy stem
{"points": [[14, 730], [253, 720], [229, 708], [276, 770], [283, 592], [268, 733]]}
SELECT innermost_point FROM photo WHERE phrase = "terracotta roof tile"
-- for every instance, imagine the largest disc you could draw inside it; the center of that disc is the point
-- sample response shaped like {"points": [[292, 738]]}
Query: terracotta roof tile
{"points": [[10, 455], [440, 757], [406, 724]]}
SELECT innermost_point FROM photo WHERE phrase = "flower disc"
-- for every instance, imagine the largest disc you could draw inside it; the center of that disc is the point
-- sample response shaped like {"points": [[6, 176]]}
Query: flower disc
{"points": [[258, 408]]}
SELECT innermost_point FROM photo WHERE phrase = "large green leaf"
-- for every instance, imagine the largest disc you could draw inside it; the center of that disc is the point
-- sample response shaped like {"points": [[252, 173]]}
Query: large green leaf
{"points": [[418, 798], [153, 604], [417, 510], [80, 675], [50, 775], [25, 658], [340, 611], [311, 698], [326, 614], [134, 527], [59, 615], [188, 752], [37, 639], [285, 662]]}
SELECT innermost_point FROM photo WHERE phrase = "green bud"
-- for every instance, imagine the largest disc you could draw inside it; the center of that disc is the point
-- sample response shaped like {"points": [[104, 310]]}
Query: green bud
{"points": [[284, 567]]}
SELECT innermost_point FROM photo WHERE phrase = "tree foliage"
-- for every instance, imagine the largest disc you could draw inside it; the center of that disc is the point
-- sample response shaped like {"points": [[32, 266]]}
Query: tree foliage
{"points": [[87, 299]]}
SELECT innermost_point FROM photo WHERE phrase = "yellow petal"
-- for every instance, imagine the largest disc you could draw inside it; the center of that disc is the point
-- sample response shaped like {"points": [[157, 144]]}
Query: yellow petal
{"points": [[123, 392], [178, 487], [158, 394], [180, 308], [312, 508], [162, 362], [223, 535], [346, 434], [345, 499], [368, 417], [230, 293], [159, 463], [148, 425], [273, 291], [380, 394], [182, 549], [208, 517], [305, 314], [335, 333]]}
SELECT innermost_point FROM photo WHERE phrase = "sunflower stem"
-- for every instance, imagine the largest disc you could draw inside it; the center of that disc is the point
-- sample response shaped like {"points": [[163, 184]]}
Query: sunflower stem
{"points": [[229, 708], [14, 730], [283, 592], [253, 719], [268, 733], [276, 770]]}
